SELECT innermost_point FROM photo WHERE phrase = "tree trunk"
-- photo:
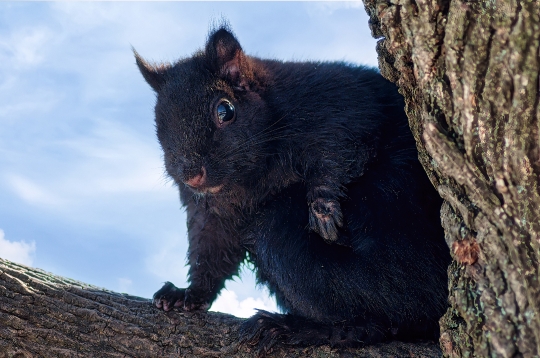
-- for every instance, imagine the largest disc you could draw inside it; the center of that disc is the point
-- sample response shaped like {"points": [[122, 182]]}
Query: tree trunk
{"points": [[469, 71], [42, 315]]}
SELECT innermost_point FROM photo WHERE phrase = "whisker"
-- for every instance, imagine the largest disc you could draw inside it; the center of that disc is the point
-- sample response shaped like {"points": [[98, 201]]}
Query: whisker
{"points": [[255, 140], [258, 142], [262, 134]]}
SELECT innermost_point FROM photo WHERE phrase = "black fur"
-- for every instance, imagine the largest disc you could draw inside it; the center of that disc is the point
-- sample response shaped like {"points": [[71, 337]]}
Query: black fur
{"points": [[316, 181]]}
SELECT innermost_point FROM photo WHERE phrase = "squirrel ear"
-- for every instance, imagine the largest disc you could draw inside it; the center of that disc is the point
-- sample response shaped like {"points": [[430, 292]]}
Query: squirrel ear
{"points": [[153, 74], [225, 56]]}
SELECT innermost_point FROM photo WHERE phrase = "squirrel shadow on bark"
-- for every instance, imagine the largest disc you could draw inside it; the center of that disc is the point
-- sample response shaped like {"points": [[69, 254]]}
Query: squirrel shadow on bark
{"points": [[309, 171]]}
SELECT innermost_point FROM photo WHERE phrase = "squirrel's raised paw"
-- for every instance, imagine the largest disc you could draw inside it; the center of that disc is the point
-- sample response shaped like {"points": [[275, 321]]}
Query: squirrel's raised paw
{"points": [[325, 217]]}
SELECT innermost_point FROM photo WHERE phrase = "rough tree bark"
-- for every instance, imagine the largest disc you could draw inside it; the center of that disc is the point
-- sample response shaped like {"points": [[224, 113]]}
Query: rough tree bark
{"points": [[43, 315], [469, 71]]}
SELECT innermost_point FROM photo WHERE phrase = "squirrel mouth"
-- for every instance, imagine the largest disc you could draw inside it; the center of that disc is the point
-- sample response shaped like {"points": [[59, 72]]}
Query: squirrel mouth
{"points": [[208, 190], [213, 189]]}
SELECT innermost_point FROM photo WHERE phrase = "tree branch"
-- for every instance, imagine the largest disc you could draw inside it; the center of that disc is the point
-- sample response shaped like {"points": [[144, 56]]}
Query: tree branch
{"points": [[43, 315]]}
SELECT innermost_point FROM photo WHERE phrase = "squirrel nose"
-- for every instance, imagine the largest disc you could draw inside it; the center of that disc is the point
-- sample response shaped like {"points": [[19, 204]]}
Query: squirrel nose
{"points": [[197, 180]]}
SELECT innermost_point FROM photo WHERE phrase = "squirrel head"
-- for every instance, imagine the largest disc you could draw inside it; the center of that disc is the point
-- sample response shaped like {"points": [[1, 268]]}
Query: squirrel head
{"points": [[210, 114]]}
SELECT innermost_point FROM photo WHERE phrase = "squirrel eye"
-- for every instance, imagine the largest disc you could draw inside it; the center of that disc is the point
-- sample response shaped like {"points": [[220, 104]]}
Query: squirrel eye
{"points": [[225, 111]]}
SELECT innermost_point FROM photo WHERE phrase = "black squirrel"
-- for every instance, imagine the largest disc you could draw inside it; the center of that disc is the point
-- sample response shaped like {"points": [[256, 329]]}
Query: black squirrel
{"points": [[310, 171]]}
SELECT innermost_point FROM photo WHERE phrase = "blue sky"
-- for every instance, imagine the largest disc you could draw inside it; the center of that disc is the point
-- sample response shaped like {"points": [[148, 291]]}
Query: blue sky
{"points": [[82, 187]]}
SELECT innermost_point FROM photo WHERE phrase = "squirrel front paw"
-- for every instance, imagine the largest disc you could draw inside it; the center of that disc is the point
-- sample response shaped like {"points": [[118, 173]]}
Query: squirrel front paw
{"points": [[170, 296], [325, 217]]}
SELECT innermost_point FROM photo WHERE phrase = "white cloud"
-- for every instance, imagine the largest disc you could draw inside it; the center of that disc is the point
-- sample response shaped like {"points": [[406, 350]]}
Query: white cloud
{"points": [[228, 302], [329, 7], [25, 47], [124, 285], [113, 158], [17, 251], [19, 106], [109, 160], [31, 192]]}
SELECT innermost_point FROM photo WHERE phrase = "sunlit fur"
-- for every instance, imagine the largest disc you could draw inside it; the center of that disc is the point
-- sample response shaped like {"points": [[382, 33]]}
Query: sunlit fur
{"points": [[302, 131]]}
